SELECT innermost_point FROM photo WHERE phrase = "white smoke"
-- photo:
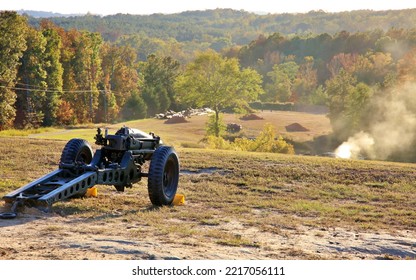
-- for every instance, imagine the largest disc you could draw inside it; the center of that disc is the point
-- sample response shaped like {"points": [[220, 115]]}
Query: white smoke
{"points": [[392, 129], [356, 146]]}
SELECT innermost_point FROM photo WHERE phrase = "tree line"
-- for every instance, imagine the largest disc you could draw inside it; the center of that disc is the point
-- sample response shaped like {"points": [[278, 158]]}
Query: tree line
{"points": [[179, 35], [50, 75], [237, 27]]}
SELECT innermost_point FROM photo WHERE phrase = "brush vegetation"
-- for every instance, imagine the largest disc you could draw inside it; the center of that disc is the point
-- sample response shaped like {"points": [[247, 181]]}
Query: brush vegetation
{"points": [[267, 141]]}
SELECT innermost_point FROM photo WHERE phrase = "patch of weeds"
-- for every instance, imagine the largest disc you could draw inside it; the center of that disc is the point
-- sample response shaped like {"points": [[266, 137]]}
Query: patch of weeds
{"points": [[229, 239], [190, 243], [211, 222], [139, 232], [293, 254], [24, 132], [376, 185], [52, 228], [306, 207], [237, 240], [262, 189], [368, 226], [275, 229], [183, 230], [66, 208], [191, 145], [362, 200]]}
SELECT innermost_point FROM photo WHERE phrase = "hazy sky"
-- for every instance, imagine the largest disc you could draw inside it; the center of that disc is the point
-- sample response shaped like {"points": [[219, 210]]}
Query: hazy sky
{"points": [[105, 7]]}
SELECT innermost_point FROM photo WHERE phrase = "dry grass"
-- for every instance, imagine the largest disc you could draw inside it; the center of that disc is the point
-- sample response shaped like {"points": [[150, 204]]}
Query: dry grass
{"points": [[250, 188], [232, 198], [189, 134]]}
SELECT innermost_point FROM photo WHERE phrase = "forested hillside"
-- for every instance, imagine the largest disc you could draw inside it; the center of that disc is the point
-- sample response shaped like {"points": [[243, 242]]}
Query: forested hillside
{"points": [[179, 35], [102, 69], [239, 27]]}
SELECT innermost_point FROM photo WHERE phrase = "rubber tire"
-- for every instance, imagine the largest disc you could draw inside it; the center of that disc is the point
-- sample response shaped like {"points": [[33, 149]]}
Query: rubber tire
{"points": [[76, 150], [8, 215], [163, 176]]}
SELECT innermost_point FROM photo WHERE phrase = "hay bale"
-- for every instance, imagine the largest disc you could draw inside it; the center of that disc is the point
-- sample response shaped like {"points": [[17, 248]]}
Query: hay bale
{"points": [[251, 117], [296, 127]]}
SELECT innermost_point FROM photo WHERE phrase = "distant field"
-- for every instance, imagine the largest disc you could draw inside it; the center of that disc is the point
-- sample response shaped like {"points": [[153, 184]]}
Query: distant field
{"points": [[185, 134], [238, 206]]}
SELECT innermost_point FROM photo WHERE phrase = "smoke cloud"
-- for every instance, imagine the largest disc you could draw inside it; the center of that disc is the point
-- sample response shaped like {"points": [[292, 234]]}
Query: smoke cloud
{"points": [[356, 146], [391, 128]]}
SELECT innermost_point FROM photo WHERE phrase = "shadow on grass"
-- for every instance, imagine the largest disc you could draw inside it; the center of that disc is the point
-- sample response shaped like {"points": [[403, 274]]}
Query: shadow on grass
{"points": [[79, 212]]}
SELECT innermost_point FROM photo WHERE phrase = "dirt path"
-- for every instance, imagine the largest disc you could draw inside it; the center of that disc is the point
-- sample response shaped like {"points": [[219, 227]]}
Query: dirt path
{"points": [[38, 235]]}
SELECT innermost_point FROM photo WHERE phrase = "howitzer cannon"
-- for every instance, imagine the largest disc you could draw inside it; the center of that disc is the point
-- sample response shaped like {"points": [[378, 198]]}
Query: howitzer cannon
{"points": [[120, 162]]}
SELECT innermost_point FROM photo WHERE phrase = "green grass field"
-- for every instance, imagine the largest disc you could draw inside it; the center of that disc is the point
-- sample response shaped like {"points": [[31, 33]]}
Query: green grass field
{"points": [[230, 193]]}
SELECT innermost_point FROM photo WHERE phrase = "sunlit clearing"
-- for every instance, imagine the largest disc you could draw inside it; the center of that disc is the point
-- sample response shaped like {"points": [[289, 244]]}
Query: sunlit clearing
{"points": [[343, 151]]}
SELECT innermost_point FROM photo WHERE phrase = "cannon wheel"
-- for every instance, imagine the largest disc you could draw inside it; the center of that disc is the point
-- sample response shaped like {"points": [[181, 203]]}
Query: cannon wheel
{"points": [[77, 150], [163, 176]]}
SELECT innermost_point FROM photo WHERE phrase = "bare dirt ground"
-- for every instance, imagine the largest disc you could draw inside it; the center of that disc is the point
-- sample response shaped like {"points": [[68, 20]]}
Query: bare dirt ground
{"points": [[38, 235]]}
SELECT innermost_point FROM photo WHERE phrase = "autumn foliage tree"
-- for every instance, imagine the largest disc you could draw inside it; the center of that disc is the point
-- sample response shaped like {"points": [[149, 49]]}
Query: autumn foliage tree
{"points": [[120, 80], [347, 102], [31, 81], [12, 45], [407, 67], [54, 75], [159, 75], [218, 83]]}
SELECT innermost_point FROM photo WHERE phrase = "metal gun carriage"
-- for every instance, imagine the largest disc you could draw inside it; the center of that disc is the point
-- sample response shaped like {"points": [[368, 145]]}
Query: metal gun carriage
{"points": [[119, 162]]}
